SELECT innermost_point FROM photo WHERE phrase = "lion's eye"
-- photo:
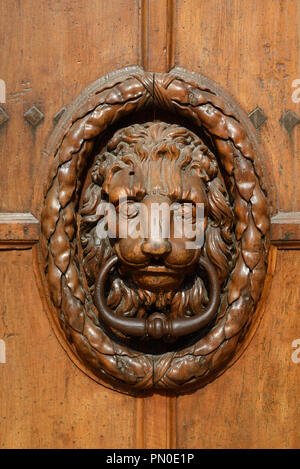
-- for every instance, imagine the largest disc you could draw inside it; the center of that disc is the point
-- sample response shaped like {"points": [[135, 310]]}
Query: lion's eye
{"points": [[186, 211], [128, 209]]}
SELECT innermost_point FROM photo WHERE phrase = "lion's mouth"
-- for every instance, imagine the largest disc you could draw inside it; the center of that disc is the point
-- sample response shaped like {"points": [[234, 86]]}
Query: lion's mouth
{"points": [[158, 269], [156, 276]]}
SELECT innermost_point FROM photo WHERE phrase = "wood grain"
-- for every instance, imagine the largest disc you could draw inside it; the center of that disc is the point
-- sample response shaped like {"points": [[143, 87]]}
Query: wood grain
{"points": [[46, 402], [252, 50], [285, 230], [18, 230], [255, 403], [156, 417], [157, 45], [48, 55]]}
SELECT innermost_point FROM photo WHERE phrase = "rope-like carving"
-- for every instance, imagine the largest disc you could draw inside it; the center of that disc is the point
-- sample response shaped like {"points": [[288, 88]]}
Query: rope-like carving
{"points": [[121, 95]]}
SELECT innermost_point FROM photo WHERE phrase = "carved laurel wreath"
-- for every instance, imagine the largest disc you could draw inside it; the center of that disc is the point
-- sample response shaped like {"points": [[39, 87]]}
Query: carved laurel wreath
{"points": [[104, 103]]}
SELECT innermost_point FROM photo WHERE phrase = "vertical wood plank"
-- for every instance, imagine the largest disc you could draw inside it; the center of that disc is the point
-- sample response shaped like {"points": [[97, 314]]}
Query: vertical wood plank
{"points": [[156, 422], [255, 403], [157, 47], [45, 400], [172, 421], [156, 415], [48, 55], [252, 49]]}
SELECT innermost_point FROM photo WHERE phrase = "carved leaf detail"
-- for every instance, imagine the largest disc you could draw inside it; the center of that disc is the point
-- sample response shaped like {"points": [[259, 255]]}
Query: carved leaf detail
{"points": [[60, 247], [66, 176], [68, 217], [213, 120], [71, 144], [237, 316], [212, 341], [257, 280], [244, 177], [251, 244], [242, 214], [54, 281], [224, 353], [51, 210], [73, 282], [72, 309], [182, 369], [260, 210], [95, 337], [239, 280], [225, 147]]}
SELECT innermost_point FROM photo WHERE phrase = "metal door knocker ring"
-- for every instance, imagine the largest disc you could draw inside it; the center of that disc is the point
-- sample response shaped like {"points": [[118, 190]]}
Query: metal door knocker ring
{"points": [[157, 325]]}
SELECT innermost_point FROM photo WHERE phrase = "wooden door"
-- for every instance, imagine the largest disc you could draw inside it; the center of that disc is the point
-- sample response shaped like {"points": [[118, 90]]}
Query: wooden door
{"points": [[49, 54]]}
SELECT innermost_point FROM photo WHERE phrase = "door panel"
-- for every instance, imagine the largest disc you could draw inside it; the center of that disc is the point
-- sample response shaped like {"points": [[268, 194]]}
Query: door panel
{"points": [[252, 49], [254, 404], [48, 56], [46, 401]]}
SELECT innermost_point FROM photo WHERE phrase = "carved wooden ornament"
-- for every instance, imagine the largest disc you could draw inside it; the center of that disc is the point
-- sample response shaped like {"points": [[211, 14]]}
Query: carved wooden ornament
{"points": [[143, 312]]}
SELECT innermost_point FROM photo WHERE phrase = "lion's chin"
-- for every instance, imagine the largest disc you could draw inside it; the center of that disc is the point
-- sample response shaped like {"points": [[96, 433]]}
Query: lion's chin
{"points": [[157, 281]]}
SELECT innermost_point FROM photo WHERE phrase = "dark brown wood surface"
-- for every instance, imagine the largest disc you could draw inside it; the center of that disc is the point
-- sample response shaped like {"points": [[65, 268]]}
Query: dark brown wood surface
{"points": [[48, 55]]}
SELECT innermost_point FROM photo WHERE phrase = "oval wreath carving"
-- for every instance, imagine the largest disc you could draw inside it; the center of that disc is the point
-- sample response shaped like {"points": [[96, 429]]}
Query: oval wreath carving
{"points": [[198, 100]]}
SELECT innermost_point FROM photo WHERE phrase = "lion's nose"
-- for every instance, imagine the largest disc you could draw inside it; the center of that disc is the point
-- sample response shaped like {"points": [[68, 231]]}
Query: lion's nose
{"points": [[156, 247]]}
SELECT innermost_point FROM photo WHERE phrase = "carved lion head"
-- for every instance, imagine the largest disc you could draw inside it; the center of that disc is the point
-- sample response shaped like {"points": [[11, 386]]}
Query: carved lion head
{"points": [[167, 165]]}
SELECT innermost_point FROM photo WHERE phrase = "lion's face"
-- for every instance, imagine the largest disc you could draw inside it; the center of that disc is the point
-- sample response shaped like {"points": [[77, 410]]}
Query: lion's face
{"points": [[141, 168], [156, 259]]}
